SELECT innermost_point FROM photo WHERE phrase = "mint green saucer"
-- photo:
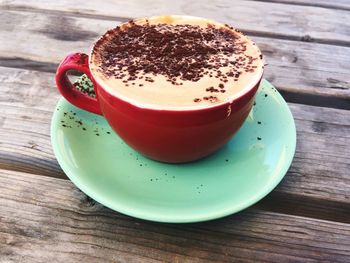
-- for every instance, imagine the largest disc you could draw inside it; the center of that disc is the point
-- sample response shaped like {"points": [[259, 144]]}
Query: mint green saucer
{"points": [[240, 174]]}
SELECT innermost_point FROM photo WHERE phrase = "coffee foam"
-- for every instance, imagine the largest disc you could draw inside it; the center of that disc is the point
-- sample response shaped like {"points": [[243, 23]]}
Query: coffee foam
{"points": [[169, 95]]}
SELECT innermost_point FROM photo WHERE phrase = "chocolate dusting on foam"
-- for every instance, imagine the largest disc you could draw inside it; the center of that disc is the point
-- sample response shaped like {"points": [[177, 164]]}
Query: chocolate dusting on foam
{"points": [[178, 52]]}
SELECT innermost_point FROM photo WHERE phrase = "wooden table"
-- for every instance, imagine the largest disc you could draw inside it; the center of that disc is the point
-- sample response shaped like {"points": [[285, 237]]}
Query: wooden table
{"points": [[45, 218]]}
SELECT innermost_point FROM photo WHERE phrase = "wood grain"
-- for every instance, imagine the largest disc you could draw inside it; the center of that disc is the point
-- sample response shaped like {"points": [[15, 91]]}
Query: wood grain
{"points": [[311, 69], [46, 219], [339, 4], [320, 170], [273, 19], [323, 139], [27, 99]]}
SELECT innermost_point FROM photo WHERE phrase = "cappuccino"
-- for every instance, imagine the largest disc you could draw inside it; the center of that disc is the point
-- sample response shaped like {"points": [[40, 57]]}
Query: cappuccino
{"points": [[176, 63]]}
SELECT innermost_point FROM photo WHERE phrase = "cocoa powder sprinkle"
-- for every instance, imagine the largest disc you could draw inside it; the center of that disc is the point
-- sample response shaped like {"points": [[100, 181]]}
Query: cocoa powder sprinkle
{"points": [[178, 52]]}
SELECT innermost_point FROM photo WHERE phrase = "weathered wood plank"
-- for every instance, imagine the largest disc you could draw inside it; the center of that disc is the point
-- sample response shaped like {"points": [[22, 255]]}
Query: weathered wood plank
{"points": [[45, 219], [310, 69], [27, 100], [320, 24], [323, 138], [338, 4], [319, 173]]}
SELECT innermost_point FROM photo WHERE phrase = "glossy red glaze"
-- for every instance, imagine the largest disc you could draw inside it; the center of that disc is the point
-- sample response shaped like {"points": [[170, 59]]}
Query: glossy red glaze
{"points": [[164, 135], [79, 62]]}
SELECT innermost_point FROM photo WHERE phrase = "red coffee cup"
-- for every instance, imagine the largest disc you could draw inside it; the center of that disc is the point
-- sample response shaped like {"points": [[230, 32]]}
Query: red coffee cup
{"points": [[172, 136]]}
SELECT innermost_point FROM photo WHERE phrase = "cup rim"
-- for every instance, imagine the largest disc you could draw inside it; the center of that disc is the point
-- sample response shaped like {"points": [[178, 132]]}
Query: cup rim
{"points": [[241, 94]]}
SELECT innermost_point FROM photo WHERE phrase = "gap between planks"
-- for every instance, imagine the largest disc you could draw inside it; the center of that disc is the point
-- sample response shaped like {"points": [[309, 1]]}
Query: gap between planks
{"points": [[272, 35], [50, 210], [345, 6], [289, 95], [65, 13], [298, 205], [276, 201]]}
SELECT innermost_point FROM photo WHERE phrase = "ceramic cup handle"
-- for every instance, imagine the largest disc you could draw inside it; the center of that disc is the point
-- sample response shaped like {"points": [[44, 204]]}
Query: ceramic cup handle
{"points": [[79, 62]]}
